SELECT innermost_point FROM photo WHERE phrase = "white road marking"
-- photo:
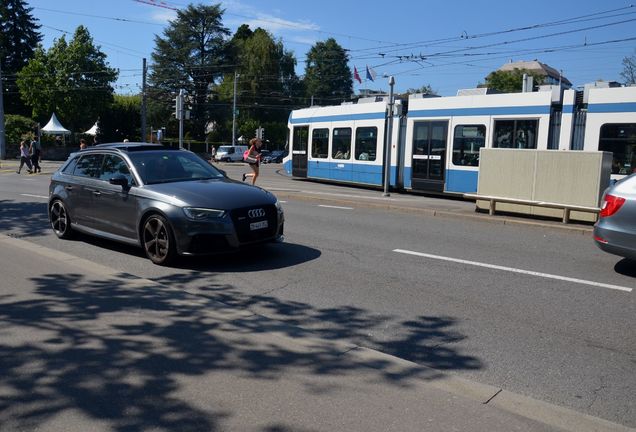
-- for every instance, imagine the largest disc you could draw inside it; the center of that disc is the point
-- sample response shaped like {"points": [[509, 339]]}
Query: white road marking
{"points": [[35, 196], [515, 270], [283, 202], [335, 207]]}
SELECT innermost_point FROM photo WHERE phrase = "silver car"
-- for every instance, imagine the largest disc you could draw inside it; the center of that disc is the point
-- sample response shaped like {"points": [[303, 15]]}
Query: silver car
{"points": [[615, 231], [168, 201]]}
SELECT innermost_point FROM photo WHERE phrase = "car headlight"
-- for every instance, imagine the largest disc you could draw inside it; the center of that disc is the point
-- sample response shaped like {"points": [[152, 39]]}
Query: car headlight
{"points": [[199, 214], [279, 207]]}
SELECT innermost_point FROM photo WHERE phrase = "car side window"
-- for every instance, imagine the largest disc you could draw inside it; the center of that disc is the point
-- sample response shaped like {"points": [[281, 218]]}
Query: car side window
{"points": [[113, 166], [88, 166], [70, 166]]}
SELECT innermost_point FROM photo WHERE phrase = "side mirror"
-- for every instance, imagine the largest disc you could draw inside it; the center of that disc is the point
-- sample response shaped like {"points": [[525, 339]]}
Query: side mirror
{"points": [[119, 180]]}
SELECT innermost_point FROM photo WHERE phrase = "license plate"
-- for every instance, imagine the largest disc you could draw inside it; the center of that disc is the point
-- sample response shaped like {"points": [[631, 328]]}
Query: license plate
{"points": [[258, 225]]}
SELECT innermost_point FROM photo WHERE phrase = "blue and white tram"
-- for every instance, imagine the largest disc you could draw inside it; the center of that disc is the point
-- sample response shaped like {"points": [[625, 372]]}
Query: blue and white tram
{"points": [[436, 141], [341, 143]]}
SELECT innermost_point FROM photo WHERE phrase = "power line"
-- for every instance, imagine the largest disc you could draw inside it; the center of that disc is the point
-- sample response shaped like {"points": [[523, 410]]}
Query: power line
{"points": [[126, 20], [102, 42], [512, 30]]}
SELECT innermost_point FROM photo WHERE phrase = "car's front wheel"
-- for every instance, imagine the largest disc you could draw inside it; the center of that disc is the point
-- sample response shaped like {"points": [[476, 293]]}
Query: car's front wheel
{"points": [[60, 221], [158, 241]]}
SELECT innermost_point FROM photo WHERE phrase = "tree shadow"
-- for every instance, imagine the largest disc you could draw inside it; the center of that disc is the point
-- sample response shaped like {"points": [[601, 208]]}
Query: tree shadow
{"points": [[22, 219], [122, 350]]}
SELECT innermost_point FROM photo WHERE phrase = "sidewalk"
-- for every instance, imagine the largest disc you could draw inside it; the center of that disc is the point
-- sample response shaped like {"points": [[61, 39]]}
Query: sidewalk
{"points": [[87, 348], [11, 166]]}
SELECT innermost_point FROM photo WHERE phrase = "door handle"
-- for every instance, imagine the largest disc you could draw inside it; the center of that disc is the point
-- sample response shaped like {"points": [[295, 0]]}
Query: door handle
{"points": [[96, 193], [68, 188]]}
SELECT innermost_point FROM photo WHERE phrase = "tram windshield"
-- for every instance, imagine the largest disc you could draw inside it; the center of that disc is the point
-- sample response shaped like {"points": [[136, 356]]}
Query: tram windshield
{"points": [[620, 139]]}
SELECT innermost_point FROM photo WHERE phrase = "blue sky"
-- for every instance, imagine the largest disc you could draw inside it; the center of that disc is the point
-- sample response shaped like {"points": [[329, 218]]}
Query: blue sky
{"points": [[449, 44]]}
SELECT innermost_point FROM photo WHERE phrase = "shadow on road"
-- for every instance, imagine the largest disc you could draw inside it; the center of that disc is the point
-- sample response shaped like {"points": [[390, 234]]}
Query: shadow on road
{"points": [[122, 352], [626, 267], [22, 219]]}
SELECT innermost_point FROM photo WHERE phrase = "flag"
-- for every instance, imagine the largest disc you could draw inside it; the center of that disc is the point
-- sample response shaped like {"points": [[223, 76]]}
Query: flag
{"points": [[356, 75], [370, 74]]}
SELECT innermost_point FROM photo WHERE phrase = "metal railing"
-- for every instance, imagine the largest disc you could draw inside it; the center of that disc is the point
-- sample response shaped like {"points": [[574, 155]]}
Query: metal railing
{"points": [[567, 208]]}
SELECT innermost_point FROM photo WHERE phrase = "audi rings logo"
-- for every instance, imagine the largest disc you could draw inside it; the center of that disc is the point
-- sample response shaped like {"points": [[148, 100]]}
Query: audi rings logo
{"points": [[256, 213]]}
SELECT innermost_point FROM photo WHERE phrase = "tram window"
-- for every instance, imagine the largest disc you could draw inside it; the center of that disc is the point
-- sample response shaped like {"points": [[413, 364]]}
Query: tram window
{"points": [[320, 143], [467, 141], [366, 143], [420, 138], [299, 142], [518, 134], [341, 143], [620, 139]]}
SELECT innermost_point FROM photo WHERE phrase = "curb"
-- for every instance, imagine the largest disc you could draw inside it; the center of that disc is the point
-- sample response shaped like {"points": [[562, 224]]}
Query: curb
{"points": [[500, 220], [551, 415]]}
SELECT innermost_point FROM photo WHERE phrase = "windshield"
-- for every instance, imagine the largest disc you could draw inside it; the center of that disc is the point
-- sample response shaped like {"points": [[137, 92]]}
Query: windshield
{"points": [[165, 166], [226, 149]]}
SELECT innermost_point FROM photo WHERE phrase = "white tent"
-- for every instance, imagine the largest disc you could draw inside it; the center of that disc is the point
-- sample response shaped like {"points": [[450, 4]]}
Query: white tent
{"points": [[54, 127], [93, 131]]}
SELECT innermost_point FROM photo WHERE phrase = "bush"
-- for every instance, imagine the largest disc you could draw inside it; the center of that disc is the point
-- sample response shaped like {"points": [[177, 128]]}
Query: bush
{"points": [[18, 128]]}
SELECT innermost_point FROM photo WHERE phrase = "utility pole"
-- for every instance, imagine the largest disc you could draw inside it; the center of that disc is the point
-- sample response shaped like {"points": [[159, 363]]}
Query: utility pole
{"points": [[388, 141], [180, 112], [3, 147], [143, 102], [236, 75]]}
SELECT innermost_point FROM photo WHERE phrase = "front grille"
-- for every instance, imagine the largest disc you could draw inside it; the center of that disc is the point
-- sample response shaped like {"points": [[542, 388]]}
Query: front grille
{"points": [[242, 220]]}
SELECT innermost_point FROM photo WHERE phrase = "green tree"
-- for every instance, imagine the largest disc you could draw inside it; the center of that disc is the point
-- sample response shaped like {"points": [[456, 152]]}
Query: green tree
{"points": [[267, 80], [327, 74], [19, 38], [18, 128], [192, 55], [71, 79], [629, 69], [122, 119], [425, 89], [510, 81]]}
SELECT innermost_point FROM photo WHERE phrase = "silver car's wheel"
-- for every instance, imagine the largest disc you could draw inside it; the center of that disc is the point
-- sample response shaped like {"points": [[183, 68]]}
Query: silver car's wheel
{"points": [[60, 221], [158, 241]]}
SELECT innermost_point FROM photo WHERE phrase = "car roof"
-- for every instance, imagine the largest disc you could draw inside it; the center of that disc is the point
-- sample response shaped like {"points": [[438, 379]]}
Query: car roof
{"points": [[131, 146]]}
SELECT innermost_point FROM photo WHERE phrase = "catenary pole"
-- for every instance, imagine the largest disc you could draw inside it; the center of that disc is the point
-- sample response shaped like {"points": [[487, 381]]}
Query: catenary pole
{"points": [[236, 75], [3, 146], [388, 141], [181, 110], [143, 102]]}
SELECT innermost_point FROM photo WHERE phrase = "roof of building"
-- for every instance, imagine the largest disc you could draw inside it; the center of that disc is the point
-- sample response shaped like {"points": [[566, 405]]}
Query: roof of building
{"points": [[536, 66]]}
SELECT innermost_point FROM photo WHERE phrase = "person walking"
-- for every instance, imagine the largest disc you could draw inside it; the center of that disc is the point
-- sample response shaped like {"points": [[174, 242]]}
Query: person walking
{"points": [[25, 158], [212, 153], [35, 150], [254, 159]]}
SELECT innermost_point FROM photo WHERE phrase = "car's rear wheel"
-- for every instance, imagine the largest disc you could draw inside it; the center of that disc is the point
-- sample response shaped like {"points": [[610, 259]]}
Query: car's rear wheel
{"points": [[60, 221], [158, 240]]}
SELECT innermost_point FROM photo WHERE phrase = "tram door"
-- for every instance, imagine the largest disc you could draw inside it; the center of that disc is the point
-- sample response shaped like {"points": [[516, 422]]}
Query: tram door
{"points": [[429, 155], [299, 151]]}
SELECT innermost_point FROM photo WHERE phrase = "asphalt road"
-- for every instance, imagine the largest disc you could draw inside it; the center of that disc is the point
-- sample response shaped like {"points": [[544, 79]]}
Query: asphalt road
{"points": [[422, 288]]}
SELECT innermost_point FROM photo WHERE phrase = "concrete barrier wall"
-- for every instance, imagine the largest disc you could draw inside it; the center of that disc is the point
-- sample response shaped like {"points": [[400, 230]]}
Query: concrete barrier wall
{"points": [[564, 177]]}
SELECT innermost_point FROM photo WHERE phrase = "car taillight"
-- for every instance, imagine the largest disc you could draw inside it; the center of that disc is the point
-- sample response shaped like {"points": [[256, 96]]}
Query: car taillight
{"points": [[611, 205]]}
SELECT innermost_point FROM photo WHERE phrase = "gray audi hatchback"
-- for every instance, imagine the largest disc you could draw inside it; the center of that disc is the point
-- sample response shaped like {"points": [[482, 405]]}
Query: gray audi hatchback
{"points": [[168, 201]]}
